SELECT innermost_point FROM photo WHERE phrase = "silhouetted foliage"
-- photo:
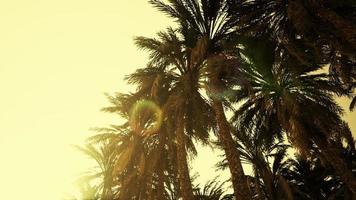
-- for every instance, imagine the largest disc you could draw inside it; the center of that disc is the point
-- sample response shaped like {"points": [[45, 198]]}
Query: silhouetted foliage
{"points": [[263, 60]]}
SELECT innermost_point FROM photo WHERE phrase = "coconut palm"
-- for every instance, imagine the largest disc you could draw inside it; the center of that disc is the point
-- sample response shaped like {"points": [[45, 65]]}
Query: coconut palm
{"points": [[266, 159], [193, 115], [139, 163], [151, 82], [154, 84], [212, 190], [102, 173], [295, 178], [312, 32], [126, 164], [300, 102], [308, 178], [320, 26], [346, 145], [209, 22], [159, 145]]}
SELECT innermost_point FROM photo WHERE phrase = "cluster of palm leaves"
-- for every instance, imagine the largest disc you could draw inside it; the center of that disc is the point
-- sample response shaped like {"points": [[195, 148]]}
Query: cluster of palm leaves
{"points": [[262, 61]]}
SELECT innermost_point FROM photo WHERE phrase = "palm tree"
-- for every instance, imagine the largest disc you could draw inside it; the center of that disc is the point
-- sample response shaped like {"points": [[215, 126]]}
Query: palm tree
{"points": [[87, 192], [103, 156], [312, 32], [168, 88], [267, 161], [212, 190], [210, 24], [309, 179], [144, 166], [300, 102], [259, 153], [154, 84], [193, 117], [139, 164], [320, 26], [346, 145]]}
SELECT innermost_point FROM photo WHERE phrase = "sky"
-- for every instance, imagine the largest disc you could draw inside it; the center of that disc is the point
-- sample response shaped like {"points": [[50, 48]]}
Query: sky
{"points": [[57, 59]]}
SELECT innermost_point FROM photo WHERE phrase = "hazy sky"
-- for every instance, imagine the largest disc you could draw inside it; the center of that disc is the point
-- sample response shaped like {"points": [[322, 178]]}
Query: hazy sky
{"points": [[57, 59]]}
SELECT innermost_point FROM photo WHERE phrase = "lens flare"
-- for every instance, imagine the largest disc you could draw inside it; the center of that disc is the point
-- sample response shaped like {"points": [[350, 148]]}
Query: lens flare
{"points": [[146, 117]]}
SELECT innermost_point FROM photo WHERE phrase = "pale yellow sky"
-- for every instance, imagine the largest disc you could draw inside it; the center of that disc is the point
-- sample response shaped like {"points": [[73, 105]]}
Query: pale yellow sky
{"points": [[57, 58]]}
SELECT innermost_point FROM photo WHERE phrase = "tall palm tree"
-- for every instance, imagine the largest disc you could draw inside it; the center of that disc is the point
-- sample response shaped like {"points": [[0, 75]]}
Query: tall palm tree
{"points": [[139, 163], [266, 159], [209, 22], [127, 163], [193, 117], [212, 190], [165, 81], [300, 102], [309, 178], [312, 32], [157, 148], [267, 162], [154, 84], [320, 26], [103, 156]]}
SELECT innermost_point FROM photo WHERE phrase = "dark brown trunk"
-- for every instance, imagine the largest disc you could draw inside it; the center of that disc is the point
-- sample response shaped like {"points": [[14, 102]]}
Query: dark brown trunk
{"points": [[149, 186], [160, 185], [183, 171], [258, 188], [268, 182], [160, 168], [239, 181]]}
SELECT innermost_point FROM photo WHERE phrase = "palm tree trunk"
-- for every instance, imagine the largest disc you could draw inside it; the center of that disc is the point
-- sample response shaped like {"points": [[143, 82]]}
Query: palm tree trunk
{"points": [[183, 171], [331, 155], [160, 168], [239, 181], [160, 185], [258, 187], [107, 190], [267, 178], [149, 187]]}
